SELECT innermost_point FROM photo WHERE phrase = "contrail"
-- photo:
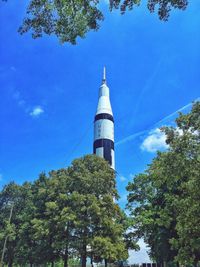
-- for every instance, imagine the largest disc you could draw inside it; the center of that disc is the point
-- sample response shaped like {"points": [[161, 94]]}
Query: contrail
{"points": [[147, 86], [133, 136], [175, 113], [130, 137]]}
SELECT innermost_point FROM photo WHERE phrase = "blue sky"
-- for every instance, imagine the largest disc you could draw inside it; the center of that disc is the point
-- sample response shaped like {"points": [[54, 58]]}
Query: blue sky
{"points": [[49, 91]]}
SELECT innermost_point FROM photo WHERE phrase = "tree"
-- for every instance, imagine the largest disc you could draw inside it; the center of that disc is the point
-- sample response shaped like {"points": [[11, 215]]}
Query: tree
{"points": [[43, 221], [8, 197], [72, 206], [60, 212], [164, 200], [65, 214], [25, 246], [105, 248], [13, 197], [70, 19], [186, 143], [153, 220], [93, 189]]}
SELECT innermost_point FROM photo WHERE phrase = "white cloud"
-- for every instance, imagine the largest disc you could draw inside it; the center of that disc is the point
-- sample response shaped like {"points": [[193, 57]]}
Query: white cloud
{"points": [[26, 107], [139, 256], [20, 100], [156, 140], [122, 178], [36, 112]]}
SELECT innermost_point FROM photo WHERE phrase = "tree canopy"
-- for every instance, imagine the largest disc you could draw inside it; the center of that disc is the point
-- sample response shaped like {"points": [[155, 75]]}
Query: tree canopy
{"points": [[71, 213], [164, 201], [70, 19]]}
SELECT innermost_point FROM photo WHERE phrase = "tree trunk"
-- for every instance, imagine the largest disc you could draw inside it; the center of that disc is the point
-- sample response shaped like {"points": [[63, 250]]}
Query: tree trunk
{"points": [[83, 260], [91, 260], [106, 262], [66, 260], [52, 264], [10, 264], [66, 256], [84, 256]]}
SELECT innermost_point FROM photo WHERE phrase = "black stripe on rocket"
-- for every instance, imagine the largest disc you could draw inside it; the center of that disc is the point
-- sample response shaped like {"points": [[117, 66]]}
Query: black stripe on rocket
{"points": [[107, 145], [104, 116]]}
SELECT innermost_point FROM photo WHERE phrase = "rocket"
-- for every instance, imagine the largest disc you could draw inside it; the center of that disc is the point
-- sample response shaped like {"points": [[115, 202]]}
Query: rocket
{"points": [[104, 126]]}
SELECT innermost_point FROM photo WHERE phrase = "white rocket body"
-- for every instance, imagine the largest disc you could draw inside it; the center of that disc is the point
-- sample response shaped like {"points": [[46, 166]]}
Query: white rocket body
{"points": [[104, 126]]}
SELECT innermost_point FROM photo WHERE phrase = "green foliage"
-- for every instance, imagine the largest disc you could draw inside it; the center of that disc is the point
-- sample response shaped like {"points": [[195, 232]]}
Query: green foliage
{"points": [[63, 215], [105, 248], [16, 196], [70, 19], [164, 201]]}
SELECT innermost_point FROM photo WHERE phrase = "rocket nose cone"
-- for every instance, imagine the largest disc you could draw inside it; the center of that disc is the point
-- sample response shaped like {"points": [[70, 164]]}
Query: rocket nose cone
{"points": [[104, 105], [104, 90]]}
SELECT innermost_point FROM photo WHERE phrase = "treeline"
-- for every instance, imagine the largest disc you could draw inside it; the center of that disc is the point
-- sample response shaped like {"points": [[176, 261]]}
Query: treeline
{"points": [[164, 201], [71, 213]]}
